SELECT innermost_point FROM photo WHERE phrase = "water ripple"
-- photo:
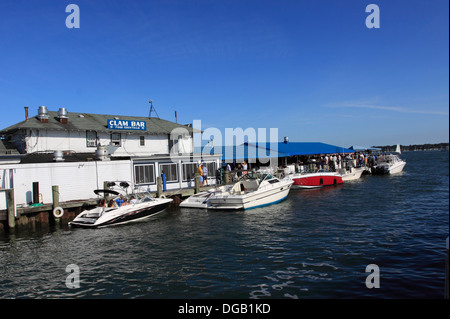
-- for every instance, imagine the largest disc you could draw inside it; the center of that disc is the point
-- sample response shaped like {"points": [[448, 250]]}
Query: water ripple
{"points": [[315, 244]]}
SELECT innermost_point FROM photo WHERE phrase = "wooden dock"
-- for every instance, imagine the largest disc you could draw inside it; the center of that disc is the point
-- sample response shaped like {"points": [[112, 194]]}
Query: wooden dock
{"points": [[41, 215]]}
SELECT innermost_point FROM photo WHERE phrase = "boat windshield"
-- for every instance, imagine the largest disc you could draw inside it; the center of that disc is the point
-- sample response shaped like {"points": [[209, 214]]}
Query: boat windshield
{"points": [[257, 176]]}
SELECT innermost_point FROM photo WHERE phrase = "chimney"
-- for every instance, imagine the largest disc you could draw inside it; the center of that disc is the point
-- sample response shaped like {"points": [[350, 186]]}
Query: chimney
{"points": [[26, 113], [43, 114], [62, 115]]}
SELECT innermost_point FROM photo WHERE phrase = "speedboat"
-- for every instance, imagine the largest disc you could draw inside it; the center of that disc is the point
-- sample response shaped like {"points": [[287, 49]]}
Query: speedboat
{"points": [[315, 180], [389, 164], [201, 199], [253, 190], [106, 216], [352, 173]]}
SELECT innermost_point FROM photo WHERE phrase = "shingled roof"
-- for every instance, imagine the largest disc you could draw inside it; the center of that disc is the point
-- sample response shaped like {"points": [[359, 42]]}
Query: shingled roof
{"points": [[94, 122]]}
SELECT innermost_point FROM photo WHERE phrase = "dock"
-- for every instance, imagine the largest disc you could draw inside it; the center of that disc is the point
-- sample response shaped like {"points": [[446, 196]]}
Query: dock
{"points": [[41, 215]]}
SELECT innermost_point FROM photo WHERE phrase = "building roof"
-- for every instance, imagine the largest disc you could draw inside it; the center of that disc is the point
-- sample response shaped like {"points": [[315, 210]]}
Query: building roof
{"points": [[95, 122], [7, 149]]}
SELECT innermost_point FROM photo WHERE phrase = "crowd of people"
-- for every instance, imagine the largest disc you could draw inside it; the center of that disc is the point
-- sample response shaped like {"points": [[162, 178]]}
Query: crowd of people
{"points": [[333, 162], [119, 202]]}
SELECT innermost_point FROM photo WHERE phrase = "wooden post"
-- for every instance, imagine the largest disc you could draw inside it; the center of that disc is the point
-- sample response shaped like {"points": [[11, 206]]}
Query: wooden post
{"points": [[10, 206], [226, 177], [105, 186], [197, 184], [159, 186], [35, 192], [55, 200], [55, 196]]}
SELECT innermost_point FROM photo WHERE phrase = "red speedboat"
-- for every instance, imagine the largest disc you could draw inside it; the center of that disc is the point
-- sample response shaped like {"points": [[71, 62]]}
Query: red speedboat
{"points": [[314, 180]]}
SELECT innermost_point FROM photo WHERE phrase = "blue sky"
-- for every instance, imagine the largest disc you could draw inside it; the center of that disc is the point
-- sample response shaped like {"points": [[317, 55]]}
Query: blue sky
{"points": [[312, 69]]}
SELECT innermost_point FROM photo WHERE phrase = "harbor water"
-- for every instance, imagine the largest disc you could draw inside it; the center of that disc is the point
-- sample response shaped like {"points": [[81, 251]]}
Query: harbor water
{"points": [[315, 244]]}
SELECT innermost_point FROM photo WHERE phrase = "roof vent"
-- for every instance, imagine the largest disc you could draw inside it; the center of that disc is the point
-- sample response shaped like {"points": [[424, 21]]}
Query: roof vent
{"points": [[58, 156], [286, 139], [102, 154], [62, 115], [43, 114]]}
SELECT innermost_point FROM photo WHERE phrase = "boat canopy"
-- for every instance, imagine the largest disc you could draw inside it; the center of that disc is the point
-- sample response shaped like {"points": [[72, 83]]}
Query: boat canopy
{"points": [[275, 150]]}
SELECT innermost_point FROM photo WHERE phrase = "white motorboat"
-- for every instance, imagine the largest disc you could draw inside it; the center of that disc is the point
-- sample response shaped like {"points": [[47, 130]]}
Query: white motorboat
{"points": [[253, 190], [389, 164], [351, 174], [106, 216], [201, 200]]}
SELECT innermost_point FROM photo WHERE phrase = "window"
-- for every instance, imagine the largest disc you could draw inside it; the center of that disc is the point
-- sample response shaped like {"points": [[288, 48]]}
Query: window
{"points": [[173, 146], [211, 166], [91, 139], [115, 139], [189, 170], [144, 174], [142, 140], [170, 170]]}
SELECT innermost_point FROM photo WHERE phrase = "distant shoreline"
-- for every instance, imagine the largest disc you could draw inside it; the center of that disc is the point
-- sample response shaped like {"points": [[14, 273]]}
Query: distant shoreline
{"points": [[416, 147]]}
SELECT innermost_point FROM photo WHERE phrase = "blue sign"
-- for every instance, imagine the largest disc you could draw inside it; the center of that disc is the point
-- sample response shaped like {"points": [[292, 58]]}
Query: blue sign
{"points": [[127, 125]]}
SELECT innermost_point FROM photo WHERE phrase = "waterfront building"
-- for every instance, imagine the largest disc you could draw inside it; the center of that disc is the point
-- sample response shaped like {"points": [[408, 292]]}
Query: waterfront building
{"points": [[80, 151]]}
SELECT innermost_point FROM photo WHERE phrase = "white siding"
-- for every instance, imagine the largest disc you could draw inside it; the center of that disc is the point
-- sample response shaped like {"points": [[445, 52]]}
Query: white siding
{"points": [[78, 180], [50, 141], [75, 180]]}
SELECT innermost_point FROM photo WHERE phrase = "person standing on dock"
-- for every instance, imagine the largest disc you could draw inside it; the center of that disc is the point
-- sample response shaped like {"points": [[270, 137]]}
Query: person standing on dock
{"points": [[205, 174], [200, 173], [244, 167]]}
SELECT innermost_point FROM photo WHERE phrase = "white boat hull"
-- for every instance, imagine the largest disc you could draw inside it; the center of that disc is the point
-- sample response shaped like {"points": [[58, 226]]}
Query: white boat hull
{"points": [[107, 216], [389, 168], [354, 174], [397, 168], [262, 197], [201, 200]]}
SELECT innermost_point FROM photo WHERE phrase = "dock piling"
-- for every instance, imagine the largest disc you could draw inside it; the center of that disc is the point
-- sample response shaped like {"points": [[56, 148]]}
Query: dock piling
{"points": [[10, 206], [159, 186], [55, 196], [55, 202], [197, 184], [106, 186], [35, 192], [227, 177]]}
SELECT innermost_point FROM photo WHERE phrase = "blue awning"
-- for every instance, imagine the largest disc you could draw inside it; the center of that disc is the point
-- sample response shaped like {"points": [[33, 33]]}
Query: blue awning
{"points": [[241, 152], [306, 148], [273, 150]]}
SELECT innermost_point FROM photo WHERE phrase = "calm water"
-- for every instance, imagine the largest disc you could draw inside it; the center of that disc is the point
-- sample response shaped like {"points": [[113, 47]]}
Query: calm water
{"points": [[315, 244]]}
